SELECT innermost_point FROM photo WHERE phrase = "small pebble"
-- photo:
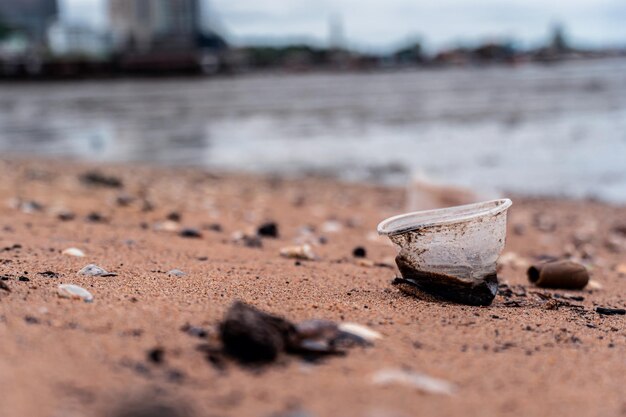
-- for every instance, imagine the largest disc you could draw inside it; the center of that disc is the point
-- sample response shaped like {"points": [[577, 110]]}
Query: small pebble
{"points": [[74, 292], [359, 252], [95, 217], [66, 216], [176, 273], [74, 252], [4, 286], [156, 355], [303, 252]]}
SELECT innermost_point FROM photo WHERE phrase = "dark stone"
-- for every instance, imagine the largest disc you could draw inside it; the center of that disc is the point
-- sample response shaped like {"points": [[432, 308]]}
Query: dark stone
{"points": [[269, 229], [610, 311], [174, 216], [66, 216], [252, 336], [213, 227], [190, 233], [4, 286], [156, 355], [48, 274], [96, 217], [31, 320], [23, 278], [95, 178], [359, 252]]}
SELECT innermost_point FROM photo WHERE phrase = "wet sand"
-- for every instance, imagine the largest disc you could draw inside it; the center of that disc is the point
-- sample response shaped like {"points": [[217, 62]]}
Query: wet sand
{"points": [[532, 352]]}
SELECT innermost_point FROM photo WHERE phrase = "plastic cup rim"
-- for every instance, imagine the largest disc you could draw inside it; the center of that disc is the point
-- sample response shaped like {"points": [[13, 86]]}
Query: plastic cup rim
{"points": [[502, 205]]}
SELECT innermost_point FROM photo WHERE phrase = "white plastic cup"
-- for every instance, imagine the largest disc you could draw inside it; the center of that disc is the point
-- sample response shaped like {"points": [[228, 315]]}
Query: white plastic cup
{"points": [[451, 253]]}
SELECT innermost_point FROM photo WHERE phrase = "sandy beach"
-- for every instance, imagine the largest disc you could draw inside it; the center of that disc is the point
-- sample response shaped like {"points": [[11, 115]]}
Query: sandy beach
{"points": [[144, 337]]}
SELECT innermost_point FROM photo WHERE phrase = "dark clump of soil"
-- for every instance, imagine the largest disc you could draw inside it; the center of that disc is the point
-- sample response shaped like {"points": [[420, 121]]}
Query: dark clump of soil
{"points": [[359, 252], [447, 287], [252, 336]]}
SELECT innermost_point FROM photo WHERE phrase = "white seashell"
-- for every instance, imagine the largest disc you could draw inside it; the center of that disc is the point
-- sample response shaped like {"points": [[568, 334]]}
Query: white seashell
{"points": [[304, 252], [176, 273], [74, 252], [92, 270], [361, 331], [412, 379], [74, 292]]}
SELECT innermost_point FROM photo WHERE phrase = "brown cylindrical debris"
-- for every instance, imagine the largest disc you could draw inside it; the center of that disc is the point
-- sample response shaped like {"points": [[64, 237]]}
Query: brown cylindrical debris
{"points": [[559, 274]]}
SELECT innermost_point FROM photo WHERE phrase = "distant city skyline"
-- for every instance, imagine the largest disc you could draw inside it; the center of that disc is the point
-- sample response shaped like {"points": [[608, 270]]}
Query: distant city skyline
{"points": [[376, 25]]}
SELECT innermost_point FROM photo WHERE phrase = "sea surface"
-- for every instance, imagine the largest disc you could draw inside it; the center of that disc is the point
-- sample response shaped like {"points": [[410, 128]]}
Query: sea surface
{"points": [[555, 129]]}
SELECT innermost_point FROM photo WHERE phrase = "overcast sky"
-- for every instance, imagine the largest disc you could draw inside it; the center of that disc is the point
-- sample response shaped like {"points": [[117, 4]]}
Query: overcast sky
{"points": [[380, 24]]}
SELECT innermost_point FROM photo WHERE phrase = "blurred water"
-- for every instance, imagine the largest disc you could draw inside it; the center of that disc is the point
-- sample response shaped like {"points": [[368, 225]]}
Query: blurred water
{"points": [[534, 129]]}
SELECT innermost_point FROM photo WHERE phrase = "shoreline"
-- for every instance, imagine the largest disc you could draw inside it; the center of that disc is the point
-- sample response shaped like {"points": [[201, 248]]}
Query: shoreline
{"points": [[515, 357]]}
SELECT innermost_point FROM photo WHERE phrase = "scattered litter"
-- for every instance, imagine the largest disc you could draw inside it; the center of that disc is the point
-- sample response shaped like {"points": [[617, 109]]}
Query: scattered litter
{"points": [[95, 271], [359, 252], [269, 229], [190, 233], [559, 274], [74, 252], [610, 311], [74, 292], [461, 267], [422, 382], [95, 178], [176, 273], [303, 252]]}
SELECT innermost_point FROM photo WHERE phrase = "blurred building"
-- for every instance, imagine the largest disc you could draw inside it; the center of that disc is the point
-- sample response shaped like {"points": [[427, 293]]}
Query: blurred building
{"points": [[162, 36], [145, 25], [30, 18]]}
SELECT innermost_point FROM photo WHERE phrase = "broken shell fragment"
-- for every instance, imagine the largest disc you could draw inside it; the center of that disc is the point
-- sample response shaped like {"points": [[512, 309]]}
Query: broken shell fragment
{"points": [[303, 252], [74, 252], [95, 271], [412, 379], [74, 292], [559, 274], [360, 331], [451, 253]]}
